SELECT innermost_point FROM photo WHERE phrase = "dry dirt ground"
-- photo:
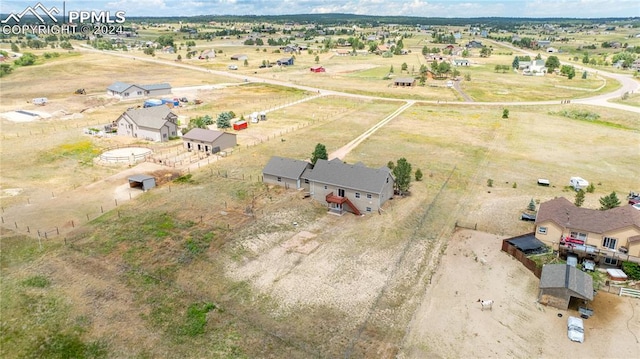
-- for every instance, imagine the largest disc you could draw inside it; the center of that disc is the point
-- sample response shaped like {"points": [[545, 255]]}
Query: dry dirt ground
{"points": [[450, 323]]}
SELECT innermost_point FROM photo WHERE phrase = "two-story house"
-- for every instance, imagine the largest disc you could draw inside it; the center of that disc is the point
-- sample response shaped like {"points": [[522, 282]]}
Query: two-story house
{"points": [[156, 123], [607, 236]]}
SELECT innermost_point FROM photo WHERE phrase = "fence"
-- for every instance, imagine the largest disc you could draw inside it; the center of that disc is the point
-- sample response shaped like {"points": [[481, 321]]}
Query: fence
{"points": [[630, 292], [521, 257]]}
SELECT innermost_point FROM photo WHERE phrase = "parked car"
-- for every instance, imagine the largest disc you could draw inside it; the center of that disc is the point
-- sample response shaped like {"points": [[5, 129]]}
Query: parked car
{"points": [[589, 265], [233, 67], [575, 329], [636, 206]]}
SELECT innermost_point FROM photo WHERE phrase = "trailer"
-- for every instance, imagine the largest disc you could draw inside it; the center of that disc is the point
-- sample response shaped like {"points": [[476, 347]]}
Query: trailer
{"points": [[240, 125]]}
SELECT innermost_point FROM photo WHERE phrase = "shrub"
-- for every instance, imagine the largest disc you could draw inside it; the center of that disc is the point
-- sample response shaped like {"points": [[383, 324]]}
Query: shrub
{"points": [[632, 270]]}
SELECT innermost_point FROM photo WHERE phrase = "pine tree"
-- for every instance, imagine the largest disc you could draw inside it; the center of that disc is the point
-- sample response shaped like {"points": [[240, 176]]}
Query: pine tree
{"points": [[319, 153], [579, 198], [532, 205], [402, 173], [610, 201], [418, 175]]}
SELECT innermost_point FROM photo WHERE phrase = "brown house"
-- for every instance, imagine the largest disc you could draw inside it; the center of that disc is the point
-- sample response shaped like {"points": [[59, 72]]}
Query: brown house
{"points": [[208, 141], [404, 82], [607, 236]]}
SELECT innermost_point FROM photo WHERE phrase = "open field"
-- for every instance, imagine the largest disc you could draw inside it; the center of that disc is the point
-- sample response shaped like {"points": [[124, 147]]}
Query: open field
{"points": [[216, 264]]}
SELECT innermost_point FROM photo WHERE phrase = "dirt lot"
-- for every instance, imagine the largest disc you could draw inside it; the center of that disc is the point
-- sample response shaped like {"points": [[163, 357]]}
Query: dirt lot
{"points": [[450, 323]]}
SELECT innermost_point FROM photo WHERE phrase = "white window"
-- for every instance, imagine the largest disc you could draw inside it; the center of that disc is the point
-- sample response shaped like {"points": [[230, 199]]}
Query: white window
{"points": [[579, 235], [279, 179], [542, 230], [325, 186], [357, 194], [368, 209], [609, 242], [306, 181], [369, 195], [139, 93], [610, 261]]}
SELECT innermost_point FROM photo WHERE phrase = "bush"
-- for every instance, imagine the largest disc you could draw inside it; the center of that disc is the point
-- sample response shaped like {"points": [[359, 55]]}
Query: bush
{"points": [[632, 270]]}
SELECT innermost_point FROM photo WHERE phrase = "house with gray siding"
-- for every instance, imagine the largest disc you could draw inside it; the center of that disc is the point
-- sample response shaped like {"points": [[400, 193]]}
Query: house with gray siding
{"points": [[286, 172], [208, 141], [125, 91], [355, 188], [156, 123]]}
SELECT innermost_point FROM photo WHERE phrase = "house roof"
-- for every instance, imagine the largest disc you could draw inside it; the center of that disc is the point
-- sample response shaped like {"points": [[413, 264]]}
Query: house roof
{"points": [[204, 135], [285, 167], [118, 86], [151, 117], [352, 176], [569, 277], [566, 215], [285, 59], [406, 80], [161, 86], [140, 178]]}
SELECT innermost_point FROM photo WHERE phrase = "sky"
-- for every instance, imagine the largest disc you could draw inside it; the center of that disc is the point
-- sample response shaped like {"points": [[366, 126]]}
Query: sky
{"points": [[420, 8]]}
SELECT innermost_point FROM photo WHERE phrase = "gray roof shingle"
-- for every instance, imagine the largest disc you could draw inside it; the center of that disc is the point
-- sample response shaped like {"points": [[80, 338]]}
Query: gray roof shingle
{"points": [[150, 117], [352, 176], [566, 276], [152, 87], [118, 86], [285, 167], [204, 135]]}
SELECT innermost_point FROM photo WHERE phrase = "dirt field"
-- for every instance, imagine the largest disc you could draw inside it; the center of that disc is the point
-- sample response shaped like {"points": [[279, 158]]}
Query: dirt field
{"points": [[450, 323]]}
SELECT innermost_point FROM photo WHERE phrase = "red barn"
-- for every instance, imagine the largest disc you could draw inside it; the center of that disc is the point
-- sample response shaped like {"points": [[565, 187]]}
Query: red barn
{"points": [[240, 125], [317, 69]]}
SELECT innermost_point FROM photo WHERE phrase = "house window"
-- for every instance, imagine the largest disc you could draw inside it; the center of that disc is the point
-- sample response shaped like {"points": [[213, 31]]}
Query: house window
{"points": [[126, 94], [306, 181], [369, 195], [542, 230], [609, 242], [582, 236], [368, 209], [139, 93], [325, 186], [357, 194], [610, 261], [164, 135], [387, 179], [279, 179]]}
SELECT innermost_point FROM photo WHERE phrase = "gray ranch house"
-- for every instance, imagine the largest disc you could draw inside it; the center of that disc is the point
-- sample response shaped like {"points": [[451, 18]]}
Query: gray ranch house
{"points": [[208, 141], [355, 188], [156, 123], [124, 90]]}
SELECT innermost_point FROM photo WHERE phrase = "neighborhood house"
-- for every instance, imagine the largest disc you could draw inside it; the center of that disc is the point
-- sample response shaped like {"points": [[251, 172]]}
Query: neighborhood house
{"points": [[124, 90], [151, 123], [341, 187], [607, 237], [208, 141]]}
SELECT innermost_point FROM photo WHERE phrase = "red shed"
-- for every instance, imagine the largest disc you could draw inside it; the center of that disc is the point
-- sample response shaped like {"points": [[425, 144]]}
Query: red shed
{"points": [[240, 125], [317, 69]]}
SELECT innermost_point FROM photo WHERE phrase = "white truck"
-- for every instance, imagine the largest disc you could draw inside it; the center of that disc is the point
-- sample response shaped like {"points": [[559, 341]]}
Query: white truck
{"points": [[578, 183]]}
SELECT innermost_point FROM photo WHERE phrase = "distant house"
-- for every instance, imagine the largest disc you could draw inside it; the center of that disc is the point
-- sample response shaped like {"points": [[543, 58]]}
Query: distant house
{"points": [[544, 43], [535, 68], [318, 69], [461, 62], [208, 141], [239, 57], [286, 61], [474, 44], [404, 82], [124, 90], [342, 52], [561, 282], [207, 54], [156, 123], [636, 65], [341, 187], [552, 49], [607, 236]]}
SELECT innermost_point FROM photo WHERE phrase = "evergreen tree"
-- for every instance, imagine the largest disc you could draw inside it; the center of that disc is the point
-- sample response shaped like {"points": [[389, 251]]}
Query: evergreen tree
{"points": [[579, 198], [319, 153], [610, 201], [418, 175], [532, 205], [402, 173], [516, 63]]}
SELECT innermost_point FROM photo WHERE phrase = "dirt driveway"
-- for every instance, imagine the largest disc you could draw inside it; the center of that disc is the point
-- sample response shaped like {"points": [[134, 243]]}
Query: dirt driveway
{"points": [[450, 323]]}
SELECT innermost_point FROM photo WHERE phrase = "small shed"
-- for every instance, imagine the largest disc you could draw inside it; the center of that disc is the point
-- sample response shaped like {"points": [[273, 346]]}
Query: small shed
{"points": [[318, 69], [616, 274], [240, 125], [287, 61], [144, 182], [561, 282]]}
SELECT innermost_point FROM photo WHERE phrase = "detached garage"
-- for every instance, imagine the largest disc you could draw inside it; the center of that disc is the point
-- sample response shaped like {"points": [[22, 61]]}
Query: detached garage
{"points": [[561, 282], [143, 182]]}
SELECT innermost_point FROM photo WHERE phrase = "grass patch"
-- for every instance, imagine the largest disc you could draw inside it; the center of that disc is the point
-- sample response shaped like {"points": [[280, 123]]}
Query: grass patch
{"points": [[82, 151], [37, 281], [196, 319], [588, 116]]}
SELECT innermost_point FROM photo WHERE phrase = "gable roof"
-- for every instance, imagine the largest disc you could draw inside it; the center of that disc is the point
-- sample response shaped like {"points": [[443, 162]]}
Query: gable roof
{"points": [[204, 135], [351, 176], [161, 86], [118, 86], [151, 117], [405, 80], [566, 215], [569, 277], [285, 167]]}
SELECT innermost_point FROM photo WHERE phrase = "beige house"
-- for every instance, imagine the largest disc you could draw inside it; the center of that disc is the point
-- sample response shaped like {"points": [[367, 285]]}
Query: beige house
{"points": [[208, 141], [607, 236], [355, 188], [156, 123]]}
